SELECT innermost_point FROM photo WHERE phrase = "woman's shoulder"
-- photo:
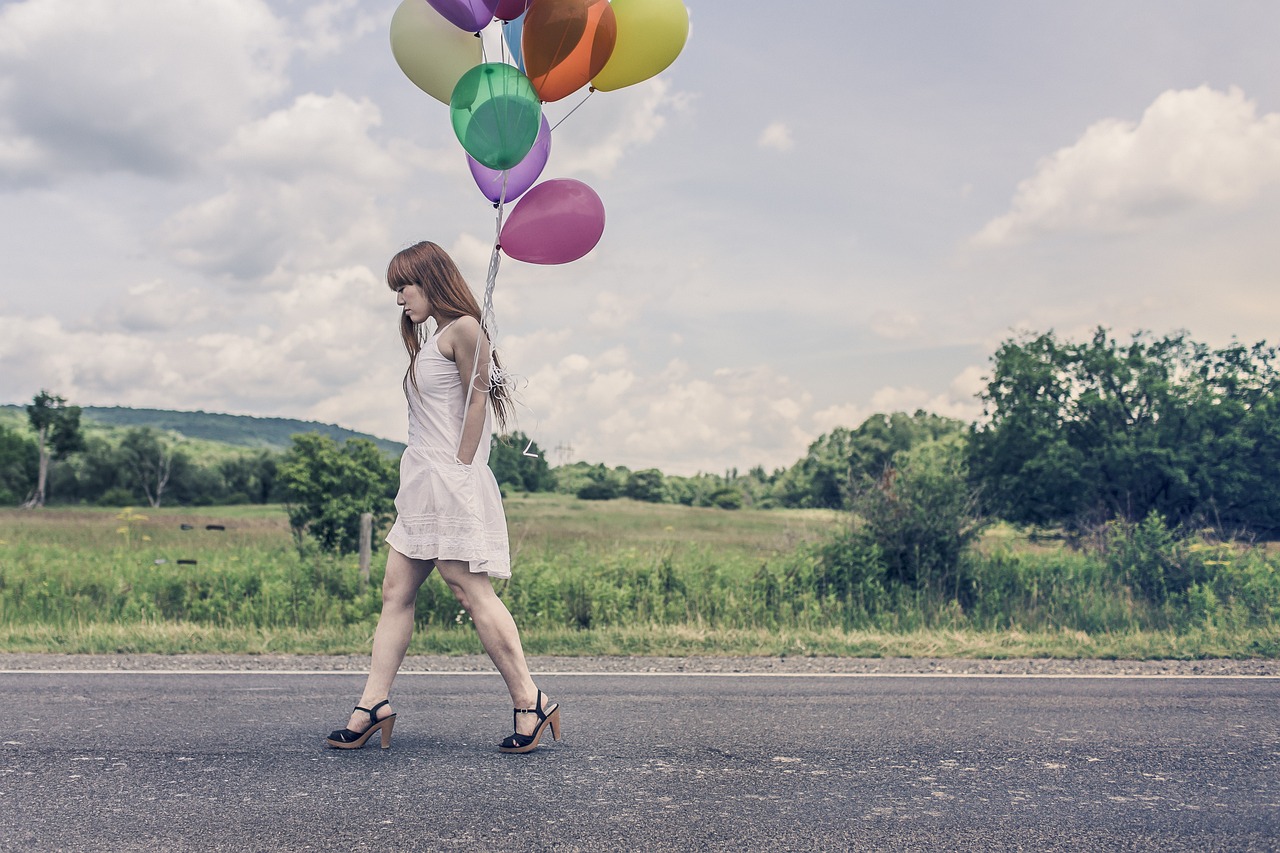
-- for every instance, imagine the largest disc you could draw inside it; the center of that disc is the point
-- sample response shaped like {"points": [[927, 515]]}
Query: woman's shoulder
{"points": [[463, 330]]}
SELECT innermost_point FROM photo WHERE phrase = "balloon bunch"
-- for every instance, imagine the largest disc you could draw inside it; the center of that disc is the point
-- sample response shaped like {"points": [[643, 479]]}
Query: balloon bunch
{"points": [[557, 47]]}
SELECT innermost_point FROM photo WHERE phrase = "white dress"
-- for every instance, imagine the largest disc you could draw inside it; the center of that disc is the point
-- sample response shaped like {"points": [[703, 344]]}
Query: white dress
{"points": [[446, 510]]}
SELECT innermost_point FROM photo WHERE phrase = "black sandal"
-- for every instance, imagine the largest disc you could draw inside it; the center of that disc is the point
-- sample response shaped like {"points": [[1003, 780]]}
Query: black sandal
{"points": [[517, 742], [347, 739]]}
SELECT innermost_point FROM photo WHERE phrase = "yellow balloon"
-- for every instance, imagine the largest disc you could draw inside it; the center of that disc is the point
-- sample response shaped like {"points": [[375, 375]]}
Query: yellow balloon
{"points": [[431, 52], [651, 34]]}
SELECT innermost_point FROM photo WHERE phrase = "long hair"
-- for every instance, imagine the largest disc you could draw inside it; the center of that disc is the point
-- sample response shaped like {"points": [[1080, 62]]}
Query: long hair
{"points": [[427, 266]]}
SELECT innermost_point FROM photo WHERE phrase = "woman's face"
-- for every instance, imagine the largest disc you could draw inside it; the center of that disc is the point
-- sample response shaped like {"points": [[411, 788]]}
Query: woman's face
{"points": [[413, 300]]}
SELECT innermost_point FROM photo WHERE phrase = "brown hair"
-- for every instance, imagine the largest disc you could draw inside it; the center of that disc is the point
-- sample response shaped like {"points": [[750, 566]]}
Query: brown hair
{"points": [[427, 266]]}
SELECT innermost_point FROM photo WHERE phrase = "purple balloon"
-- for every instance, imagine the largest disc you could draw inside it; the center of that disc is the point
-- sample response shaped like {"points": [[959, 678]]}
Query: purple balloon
{"points": [[470, 15], [557, 221], [509, 10], [520, 176]]}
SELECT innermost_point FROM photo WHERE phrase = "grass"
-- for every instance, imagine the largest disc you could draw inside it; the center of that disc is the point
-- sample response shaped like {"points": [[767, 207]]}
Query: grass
{"points": [[591, 578]]}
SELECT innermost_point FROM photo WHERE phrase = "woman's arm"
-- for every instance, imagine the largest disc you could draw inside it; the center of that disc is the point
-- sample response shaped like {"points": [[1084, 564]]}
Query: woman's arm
{"points": [[470, 352]]}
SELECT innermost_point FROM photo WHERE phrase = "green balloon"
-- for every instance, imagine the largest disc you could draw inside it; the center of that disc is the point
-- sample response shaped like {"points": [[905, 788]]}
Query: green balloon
{"points": [[496, 114]]}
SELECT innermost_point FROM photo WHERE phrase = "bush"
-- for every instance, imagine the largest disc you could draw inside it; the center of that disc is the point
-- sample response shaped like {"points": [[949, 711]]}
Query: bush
{"points": [[922, 516]]}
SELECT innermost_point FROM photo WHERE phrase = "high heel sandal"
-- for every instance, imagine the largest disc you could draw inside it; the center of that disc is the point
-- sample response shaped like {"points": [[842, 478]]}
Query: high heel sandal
{"points": [[517, 742], [347, 739]]}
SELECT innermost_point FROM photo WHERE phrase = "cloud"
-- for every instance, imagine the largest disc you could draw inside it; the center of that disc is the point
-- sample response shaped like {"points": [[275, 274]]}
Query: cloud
{"points": [[595, 140], [776, 136], [318, 348], [959, 401], [1192, 148], [325, 28], [302, 189], [148, 87]]}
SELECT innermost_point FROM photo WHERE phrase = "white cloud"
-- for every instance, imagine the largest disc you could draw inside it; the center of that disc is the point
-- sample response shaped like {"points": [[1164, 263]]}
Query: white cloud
{"points": [[327, 27], [959, 401], [595, 139], [148, 86], [303, 186], [777, 136], [896, 324], [1193, 147], [319, 348]]}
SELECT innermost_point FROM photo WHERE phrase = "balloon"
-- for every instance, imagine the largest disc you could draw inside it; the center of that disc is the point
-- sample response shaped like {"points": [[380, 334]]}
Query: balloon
{"points": [[565, 43], [520, 176], [556, 222], [429, 51], [509, 10], [496, 114], [651, 34], [511, 33], [470, 15]]}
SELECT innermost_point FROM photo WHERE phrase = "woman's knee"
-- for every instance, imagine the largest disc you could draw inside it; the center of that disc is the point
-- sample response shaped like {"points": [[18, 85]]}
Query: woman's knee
{"points": [[403, 578], [470, 589]]}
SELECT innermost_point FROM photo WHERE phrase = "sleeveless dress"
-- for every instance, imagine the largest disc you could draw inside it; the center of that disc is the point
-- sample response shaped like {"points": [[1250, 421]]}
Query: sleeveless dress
{"points": [[446, 510]]}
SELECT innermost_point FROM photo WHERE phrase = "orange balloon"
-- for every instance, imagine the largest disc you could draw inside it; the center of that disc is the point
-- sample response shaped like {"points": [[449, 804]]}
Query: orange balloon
{"points": [[565, 43]]}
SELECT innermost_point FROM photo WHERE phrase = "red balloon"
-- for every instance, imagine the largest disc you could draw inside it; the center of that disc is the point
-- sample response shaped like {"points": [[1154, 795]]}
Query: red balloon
{"points": [[556, 222], [565, 43]]}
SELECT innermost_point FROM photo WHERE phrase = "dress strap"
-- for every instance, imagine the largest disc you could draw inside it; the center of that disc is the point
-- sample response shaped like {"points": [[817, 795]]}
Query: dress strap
{"points": [[440, 329]]}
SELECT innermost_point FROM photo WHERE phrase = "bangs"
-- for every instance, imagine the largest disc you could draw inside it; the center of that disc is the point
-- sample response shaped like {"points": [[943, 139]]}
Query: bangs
{"points": [[400, 273]]}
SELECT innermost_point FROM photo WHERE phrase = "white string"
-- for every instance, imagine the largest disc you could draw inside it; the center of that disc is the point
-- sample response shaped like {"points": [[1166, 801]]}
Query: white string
{"points": [[488, 323]]}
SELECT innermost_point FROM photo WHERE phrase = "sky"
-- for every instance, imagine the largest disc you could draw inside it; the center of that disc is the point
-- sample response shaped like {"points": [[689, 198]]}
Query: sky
{"points": [[821, 211]]}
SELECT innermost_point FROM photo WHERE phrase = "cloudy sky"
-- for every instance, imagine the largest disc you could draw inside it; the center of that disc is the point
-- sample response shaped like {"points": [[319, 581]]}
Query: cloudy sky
{"points": [[821, 211]]}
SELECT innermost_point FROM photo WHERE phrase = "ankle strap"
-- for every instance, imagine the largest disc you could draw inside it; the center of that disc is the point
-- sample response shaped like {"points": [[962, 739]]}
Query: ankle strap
{"points": [[537, 710], [373, 712]]}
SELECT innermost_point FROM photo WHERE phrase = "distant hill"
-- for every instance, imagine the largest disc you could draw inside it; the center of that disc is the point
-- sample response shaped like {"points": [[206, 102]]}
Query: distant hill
{"points": [[238, 430]]}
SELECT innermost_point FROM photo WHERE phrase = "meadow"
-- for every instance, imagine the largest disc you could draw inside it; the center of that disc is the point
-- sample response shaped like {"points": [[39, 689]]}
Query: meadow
{"points": [[615, 577]]}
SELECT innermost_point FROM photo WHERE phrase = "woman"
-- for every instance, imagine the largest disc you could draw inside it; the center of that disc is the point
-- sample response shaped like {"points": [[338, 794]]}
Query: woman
{"points": [[449, 510]]}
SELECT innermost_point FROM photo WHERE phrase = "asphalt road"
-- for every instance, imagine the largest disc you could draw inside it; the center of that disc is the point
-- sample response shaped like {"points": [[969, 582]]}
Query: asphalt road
{"points": [[235, 761]]}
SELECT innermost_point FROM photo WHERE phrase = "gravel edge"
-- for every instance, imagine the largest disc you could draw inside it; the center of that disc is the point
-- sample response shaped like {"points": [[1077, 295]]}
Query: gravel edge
{"points": [[15, 662]]}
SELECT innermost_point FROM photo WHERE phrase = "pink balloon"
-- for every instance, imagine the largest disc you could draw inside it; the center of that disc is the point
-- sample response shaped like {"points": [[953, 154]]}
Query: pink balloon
{"points": [[556, 222], [520, 176], [470, 15], [509, 10]]}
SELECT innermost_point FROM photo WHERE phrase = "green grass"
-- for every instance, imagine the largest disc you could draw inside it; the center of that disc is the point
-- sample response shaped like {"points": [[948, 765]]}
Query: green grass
{"points": [[593, 578]]}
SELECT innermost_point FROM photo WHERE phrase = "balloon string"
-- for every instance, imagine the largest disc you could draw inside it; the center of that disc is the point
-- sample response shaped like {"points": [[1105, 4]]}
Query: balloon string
{"points": [[488, 321], [574, 110]]}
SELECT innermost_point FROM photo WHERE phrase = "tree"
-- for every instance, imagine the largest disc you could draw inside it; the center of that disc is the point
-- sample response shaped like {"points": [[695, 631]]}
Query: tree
{"points": [[601, 485], [518, 462], [1079, 433], [844, 461], [327, 487], [250, 476], [149, 459], [57, 429], [19, 462], [646, 485]]}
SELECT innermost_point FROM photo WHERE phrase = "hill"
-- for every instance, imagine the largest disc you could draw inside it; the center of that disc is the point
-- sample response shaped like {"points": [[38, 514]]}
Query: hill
{"points": [[237, 430]]}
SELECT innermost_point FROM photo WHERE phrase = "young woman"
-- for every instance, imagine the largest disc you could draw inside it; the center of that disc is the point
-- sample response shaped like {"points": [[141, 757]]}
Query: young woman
{"points": [[448, 511]]}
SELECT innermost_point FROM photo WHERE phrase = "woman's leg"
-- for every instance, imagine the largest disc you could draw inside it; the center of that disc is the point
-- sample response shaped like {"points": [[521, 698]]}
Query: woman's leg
{"points": [[498, 634], [395, 626]]}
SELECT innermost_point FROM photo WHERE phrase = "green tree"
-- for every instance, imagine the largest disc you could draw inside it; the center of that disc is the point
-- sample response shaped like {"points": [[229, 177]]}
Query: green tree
{"points": [[518, 462], [1078, 433], [19, 464], [846, 460], [57, 429], [601, 485], [250, 477], [646, 485], [148, 457], [327, 487]]}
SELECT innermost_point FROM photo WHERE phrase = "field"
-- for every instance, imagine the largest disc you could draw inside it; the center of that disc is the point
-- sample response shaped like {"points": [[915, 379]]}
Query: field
{"points": [[613, 577]]}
